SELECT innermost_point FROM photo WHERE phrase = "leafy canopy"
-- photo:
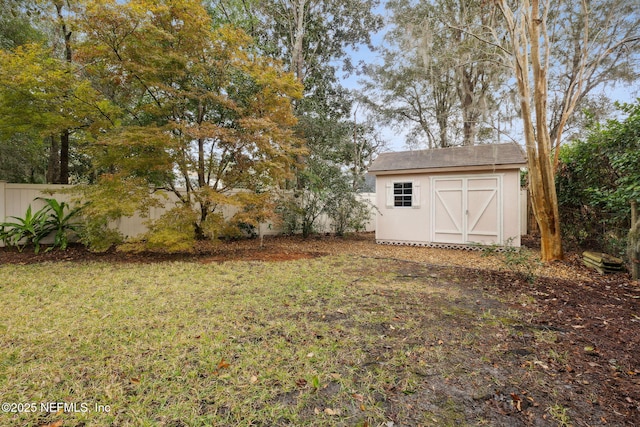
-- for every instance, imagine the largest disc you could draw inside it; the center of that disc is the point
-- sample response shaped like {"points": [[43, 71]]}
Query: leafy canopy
{"points": [[202, 112]]}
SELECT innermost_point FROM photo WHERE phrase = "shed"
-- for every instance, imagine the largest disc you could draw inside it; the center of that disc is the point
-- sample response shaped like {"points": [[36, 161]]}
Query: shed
{"points": [[449, 197]]}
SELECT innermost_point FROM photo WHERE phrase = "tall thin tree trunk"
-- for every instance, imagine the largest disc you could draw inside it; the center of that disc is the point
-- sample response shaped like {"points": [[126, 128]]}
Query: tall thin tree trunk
{"points": [[546, 201], [529, 61], [298, 33], [64, 136], [64, 157], [53, 167]]}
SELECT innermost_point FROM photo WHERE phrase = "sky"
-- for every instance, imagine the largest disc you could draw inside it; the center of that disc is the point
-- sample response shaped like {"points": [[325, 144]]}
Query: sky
{"points": [[395, 139]]}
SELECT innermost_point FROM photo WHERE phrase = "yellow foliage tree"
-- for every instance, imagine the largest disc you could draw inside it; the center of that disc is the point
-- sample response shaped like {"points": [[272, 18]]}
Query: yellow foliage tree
{"points": [[204, 114]]}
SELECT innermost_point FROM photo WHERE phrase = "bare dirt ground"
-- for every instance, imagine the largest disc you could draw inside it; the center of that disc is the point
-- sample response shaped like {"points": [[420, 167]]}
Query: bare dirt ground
{"points": [[592, 323]]}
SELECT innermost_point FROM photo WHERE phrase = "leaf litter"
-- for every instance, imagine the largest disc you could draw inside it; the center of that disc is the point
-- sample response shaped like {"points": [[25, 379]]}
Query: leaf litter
{"points": [[432, 337]]}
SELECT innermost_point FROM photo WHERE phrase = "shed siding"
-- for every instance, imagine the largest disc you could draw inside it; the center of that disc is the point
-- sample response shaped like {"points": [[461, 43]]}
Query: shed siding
{"points": [[402, 223], [493, 196]]}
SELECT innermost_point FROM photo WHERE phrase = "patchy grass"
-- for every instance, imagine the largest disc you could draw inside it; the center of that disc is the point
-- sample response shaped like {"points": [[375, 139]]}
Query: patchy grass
{"points": [[326, 342]]}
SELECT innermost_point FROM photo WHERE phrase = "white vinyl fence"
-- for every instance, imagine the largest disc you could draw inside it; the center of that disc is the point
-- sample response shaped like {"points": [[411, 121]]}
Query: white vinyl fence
{"points": [[16, 198], [524, 206]]}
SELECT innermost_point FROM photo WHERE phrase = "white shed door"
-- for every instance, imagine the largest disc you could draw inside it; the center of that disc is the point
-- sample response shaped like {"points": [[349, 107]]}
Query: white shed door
{"points": [[466, 210]]}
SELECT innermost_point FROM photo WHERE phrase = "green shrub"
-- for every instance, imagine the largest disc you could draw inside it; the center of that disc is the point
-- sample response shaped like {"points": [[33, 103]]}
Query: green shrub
{"points": [[347, 213], [97, 236], [35, 226], [172, 232], [61, 223], [515, 259], [28, 230], [597, 178]]}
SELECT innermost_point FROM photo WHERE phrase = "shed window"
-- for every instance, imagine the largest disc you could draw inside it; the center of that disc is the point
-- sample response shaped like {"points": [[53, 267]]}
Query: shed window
{"points": [[402, 194]]}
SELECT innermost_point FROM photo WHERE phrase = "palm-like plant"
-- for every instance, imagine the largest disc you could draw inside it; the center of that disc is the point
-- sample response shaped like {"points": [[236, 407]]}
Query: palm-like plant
{"points": [[35, 226], [30, 229], [60, 223]]}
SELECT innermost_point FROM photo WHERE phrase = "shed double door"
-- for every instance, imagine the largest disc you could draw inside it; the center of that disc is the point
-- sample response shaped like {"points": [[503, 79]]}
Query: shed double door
{"points": [[466, 209]]}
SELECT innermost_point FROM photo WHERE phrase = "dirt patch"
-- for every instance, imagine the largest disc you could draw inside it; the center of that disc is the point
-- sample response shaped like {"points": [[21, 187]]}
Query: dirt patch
{"points": [[570, 354]]}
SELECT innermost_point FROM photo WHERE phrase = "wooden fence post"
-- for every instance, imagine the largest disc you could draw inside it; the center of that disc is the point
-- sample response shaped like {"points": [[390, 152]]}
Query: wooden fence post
{"points": [[634, 241]]}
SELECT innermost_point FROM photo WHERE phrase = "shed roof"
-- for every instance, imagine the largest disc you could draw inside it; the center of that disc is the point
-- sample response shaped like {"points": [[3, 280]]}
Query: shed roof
{"points": [[487, 155]]}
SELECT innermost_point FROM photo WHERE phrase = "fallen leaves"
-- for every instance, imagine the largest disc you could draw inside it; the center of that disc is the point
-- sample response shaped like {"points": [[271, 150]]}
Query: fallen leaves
{"points": [[359, 398], [517, 402], [415, 359], [222, 364], [327, 411]]}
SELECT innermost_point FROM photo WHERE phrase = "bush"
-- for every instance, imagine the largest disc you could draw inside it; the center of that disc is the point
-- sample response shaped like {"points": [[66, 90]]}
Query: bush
{"points": [[110, 199], [514, 259], [172, 232], [347, 213], [323, 189], [97, 236], [597, 178], [35, 226], [28, 230], [61, 224], [299, 213]]}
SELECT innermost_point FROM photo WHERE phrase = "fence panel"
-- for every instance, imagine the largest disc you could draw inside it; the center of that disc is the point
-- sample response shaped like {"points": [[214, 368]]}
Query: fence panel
{"points": [[16, 198]]}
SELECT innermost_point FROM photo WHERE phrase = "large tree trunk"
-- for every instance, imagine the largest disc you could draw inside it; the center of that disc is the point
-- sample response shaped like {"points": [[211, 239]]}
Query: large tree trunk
{"points": [[545, 201], [528, 56], [545, 209], [466, 90]]}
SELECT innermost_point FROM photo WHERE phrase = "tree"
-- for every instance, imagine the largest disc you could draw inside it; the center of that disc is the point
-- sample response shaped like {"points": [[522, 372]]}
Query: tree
{"points": [[203, 113], [42, 97], [530, 55], [46, 22], [594, 44], [311, 38], [359, 152], [403, 92], [533, 50], [22, 159], [436, 74], [316, 36], [16, 28]]}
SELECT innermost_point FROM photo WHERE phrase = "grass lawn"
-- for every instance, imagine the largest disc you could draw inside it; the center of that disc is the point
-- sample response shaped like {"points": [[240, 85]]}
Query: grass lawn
{"points": [[339, 340]]}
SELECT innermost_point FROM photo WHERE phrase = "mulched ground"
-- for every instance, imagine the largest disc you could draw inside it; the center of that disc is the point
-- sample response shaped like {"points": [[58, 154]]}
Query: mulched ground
{"points": [[598, 330], [596, 317]]}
